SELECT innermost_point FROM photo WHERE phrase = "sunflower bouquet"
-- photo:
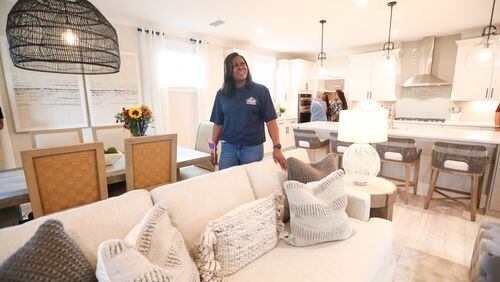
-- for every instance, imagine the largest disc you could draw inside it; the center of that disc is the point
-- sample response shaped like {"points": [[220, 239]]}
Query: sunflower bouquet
{"points": [[136, 119]]}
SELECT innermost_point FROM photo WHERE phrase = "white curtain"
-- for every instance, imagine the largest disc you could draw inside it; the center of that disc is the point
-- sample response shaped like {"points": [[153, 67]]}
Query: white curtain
{"points": [[155, 92], [211, 58]]}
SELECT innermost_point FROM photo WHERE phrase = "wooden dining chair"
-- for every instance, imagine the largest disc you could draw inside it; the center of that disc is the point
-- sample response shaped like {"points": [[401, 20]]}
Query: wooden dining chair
{"points": [[111, 136], [65, 177], [203, 167], [150, 161], [56, 138]]}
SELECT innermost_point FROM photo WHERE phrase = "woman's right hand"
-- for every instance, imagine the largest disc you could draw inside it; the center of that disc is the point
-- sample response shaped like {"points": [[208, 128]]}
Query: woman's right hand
{"points": [[214, 158]]}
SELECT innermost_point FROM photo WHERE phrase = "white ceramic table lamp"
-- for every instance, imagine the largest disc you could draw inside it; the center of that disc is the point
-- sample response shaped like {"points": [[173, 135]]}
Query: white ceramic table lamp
{"points": [[362, 127]]}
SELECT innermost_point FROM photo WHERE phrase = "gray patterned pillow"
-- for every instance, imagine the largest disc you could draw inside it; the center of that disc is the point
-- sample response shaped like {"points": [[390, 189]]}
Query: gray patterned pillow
{"points": [[50, 255], [305, 173], [317, 211], [154, 250], [239, 237]]}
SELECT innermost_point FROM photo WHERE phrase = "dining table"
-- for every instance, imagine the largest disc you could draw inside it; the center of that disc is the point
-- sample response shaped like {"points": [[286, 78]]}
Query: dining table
{"points": [[14, 190]]}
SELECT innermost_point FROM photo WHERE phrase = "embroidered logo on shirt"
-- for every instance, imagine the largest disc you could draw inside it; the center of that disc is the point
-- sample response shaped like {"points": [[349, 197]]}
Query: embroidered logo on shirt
{"points": [[251, 101]]}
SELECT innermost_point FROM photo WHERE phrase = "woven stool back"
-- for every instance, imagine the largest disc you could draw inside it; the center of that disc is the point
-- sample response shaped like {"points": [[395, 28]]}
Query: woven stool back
{"points": [[476, 156], [150, 161], [335, 143], [61, 178], [404, 146], [308, 139]]}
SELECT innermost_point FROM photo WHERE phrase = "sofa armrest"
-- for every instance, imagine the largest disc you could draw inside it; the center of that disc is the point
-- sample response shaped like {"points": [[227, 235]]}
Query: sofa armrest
{"points": [[358, 204]]}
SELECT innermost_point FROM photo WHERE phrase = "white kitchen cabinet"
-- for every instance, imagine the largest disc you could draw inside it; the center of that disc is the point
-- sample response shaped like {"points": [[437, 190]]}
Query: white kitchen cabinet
{"points": [[285, 126], [292, 77], [474, 83], [368, 80]]}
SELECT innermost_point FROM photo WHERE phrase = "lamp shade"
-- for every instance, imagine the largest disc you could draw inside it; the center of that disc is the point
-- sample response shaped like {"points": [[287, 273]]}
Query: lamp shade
{"points": [[363, 126], [62, 36]]}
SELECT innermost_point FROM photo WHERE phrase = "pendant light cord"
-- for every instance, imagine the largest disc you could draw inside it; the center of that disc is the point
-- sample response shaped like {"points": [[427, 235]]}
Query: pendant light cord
{"points": [[322, 55], [491, 22], [322, 30], [390, 24]]}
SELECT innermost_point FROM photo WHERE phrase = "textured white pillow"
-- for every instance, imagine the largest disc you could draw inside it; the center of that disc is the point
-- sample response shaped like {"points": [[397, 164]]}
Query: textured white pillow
{"points": [[317, 211], [154, 250], [239, 237]]}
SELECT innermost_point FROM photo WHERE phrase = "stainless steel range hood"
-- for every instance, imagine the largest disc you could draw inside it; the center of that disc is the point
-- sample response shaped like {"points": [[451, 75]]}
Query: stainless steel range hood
{"points": [[425, 77]]}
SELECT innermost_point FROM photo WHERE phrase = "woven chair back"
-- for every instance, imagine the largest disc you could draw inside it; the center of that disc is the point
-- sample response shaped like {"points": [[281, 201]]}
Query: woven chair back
{"points": [[308, 139], [150, 161], [335, 143], [61, 178], [475, 156], [404, 146]]}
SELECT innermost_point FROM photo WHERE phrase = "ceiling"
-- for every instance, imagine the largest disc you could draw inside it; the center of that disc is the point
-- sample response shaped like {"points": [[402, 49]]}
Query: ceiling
{"points": [[292, 25]]}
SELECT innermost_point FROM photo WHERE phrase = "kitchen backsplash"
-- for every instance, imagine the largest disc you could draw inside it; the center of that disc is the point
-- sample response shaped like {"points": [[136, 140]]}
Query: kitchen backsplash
{"points": [[424, 102]]}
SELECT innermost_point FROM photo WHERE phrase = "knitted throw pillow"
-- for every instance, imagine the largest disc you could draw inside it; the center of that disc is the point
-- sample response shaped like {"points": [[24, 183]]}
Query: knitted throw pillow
{"points": [[154, 250], [239, 237], [50, 255], [305, 173], [317, 211]]}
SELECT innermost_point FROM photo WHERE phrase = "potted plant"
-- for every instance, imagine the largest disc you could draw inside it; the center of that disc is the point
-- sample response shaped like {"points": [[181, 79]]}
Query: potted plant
{"points": [[112, 155], [282, 110]]}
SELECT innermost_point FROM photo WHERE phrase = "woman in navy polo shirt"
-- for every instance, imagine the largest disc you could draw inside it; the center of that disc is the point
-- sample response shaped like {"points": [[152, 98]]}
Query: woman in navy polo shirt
{"points": [[240, 110]]}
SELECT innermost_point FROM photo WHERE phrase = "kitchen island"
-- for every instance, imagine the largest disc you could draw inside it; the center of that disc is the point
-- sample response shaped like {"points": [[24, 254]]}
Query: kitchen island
{"points": [[425, 136]]}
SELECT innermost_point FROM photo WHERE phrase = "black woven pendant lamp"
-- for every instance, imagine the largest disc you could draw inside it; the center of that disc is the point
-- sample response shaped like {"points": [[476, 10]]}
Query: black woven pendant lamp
{"points": [[62, 36]]}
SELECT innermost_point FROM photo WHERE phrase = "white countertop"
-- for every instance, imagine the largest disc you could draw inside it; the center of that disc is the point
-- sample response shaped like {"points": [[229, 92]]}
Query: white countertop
{"points": [[431, 133], [451, 123]]}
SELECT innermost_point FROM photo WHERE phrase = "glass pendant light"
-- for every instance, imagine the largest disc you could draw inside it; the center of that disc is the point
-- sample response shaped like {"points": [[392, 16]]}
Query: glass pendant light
{"points": [[389, 60], [320, 70], [484, 53]]}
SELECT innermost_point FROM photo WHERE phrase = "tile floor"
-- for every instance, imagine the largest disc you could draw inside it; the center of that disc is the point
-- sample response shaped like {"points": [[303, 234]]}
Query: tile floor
{"points": [[444, 230]]}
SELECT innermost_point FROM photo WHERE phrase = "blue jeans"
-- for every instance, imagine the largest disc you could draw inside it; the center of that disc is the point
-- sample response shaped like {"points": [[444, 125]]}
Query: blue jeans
{"points": [[233, 155]]}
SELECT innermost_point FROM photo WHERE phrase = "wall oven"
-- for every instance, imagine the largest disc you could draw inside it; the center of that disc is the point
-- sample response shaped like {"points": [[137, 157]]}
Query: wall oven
{"points": [[304, 109]]}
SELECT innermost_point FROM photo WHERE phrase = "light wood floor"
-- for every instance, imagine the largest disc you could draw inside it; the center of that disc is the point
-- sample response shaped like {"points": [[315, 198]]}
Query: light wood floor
{"points": [[444, 230]]}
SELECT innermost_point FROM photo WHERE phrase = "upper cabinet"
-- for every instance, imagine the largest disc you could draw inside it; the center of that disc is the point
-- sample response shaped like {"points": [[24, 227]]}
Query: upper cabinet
{"points": [[368, 80], [474, 83], [292, 77]]}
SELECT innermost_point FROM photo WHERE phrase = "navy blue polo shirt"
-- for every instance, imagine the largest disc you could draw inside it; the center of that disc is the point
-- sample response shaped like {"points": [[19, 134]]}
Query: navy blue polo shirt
{"points": [[243, 115]]}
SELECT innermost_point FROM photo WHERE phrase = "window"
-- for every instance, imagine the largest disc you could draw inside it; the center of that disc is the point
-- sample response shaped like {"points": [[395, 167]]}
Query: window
{"points": [[179, 69]]}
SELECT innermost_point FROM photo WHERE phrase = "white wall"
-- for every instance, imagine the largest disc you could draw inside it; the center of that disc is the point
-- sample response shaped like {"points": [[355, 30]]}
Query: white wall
{"points": [[183, 115]]}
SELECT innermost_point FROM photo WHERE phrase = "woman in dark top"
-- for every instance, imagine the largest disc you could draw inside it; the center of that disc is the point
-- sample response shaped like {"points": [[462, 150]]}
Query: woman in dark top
{"points": [[328, 111], [338, 105], [497, 117], [240, 110]]}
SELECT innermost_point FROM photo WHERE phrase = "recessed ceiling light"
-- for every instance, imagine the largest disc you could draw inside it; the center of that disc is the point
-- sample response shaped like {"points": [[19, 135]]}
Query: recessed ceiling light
{"points": [[259, 31], [395, 31], [217, 23], [361, 3]]}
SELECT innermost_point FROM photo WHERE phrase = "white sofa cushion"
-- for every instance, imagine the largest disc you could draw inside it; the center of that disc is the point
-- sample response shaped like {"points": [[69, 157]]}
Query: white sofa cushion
{"points": [[366, 256], [152, 250], [88, 225], [192, 203], [238, 238]]}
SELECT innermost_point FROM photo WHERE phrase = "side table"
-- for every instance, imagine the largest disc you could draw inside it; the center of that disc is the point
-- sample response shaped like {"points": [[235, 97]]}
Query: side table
{"points": [[382, 194]]}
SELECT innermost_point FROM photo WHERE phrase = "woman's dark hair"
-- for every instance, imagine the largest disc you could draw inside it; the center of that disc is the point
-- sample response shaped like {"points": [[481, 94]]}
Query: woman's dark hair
{"points": [[341, 95], [228, 86]]}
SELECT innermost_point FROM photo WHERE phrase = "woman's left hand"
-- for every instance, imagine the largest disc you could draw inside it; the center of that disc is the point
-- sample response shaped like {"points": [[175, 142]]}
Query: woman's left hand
{"points": [[279, 158]]}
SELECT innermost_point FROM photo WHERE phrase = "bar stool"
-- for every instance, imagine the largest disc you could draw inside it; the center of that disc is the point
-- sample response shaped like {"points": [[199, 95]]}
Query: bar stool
{"points": [[467, 160], [337, 147], [308, 139], [401, 151]]}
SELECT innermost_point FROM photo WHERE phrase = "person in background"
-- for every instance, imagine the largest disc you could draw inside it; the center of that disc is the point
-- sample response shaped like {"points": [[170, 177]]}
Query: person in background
{"points": [[318, 108], [338, 105], [497, 118], [326, 98], [1, 119], [241, 108]]}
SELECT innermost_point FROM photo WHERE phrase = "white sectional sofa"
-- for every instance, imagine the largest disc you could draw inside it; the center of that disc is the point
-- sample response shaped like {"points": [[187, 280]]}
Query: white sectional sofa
{"points": [[366, 256]]}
